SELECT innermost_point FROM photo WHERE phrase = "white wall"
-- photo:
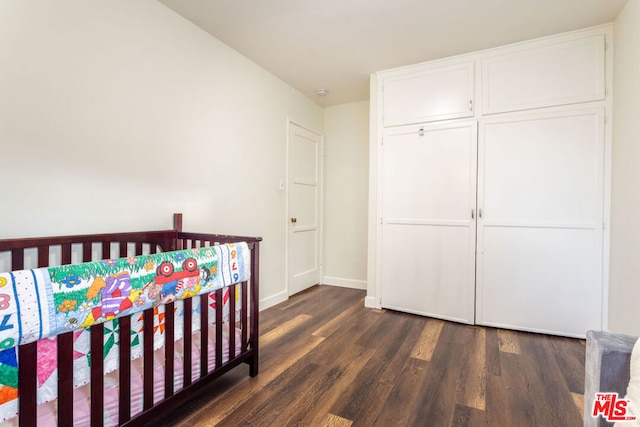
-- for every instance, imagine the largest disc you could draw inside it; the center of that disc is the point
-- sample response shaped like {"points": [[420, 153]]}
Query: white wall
{"points": [[114, 114], [346, 165], [624, 285]]}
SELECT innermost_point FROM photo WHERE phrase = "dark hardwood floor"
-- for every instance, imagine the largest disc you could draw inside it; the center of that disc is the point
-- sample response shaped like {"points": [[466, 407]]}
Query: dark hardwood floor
{"points": [[328, 361]]}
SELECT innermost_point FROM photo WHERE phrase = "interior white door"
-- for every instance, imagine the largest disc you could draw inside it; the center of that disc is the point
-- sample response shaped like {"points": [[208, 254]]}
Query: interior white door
{"points": [[540, 190], [304, 173], [428, 193]]}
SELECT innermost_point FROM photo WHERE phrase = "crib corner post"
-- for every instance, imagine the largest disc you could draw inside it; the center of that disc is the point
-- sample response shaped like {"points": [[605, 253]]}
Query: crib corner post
{"points": [[176, 241], [177, 222], [255, 285], [253, 365]]}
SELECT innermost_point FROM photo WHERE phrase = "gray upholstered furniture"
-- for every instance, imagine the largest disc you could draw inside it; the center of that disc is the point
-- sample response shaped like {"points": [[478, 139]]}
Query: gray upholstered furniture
{"points": [[606, 369]]}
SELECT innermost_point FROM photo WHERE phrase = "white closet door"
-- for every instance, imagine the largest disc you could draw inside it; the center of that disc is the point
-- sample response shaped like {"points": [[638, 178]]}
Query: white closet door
{"points": [[428, 232], [551, 74], [433, 93], [540, 190]]}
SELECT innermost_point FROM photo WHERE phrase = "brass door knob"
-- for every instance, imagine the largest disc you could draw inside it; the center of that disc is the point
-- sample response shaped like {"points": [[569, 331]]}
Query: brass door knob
{"points": [[294, 220]]}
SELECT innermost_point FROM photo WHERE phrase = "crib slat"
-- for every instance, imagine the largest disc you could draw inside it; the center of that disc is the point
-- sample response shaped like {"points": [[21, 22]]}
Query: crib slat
{"points": [[66, 253], [188, 365], [232, 322], [243, 316], [65, 380], [124, 405], [219, 310], [86, 251], [43, 256], [97, 375], [106, 250], [17, 259], [168, 349], [148, 359], [27, 354], [180, 244], [123, 249], [204, 334]]}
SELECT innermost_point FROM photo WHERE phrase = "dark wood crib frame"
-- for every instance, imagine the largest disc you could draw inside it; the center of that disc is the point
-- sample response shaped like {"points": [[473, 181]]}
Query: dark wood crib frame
{"points": [[157, 241]]}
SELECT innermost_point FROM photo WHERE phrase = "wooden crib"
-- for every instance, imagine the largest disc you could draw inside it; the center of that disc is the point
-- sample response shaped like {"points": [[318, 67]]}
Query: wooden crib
{"points": [[125, 245]]}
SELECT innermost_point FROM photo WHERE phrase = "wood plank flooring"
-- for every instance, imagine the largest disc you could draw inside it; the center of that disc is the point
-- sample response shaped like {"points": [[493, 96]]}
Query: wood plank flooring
{"points": [[327, 361]]}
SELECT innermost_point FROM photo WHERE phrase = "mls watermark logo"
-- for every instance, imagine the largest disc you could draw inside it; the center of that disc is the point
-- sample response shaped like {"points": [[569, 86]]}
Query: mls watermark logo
{"points": [[611, 407]]}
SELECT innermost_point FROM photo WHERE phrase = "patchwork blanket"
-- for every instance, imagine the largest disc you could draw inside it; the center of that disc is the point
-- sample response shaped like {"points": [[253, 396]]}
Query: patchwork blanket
{"points": [[36, 305]]}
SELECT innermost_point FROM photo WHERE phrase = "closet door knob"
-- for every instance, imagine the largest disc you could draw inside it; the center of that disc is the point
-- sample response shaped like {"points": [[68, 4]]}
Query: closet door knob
{"points": [[294, 220]]}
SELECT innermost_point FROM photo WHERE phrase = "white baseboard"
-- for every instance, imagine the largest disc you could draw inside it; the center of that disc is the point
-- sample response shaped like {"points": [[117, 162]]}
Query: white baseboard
{"points": [[273, 300], [370, 302], [345, 283]]}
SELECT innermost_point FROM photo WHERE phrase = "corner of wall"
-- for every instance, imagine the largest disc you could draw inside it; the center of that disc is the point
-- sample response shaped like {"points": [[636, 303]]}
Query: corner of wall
{"points": [[624, 274], [373, 298]]}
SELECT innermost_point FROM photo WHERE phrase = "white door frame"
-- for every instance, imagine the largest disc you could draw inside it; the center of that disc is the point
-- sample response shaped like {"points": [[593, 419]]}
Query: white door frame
{"points": [[287, 217]]}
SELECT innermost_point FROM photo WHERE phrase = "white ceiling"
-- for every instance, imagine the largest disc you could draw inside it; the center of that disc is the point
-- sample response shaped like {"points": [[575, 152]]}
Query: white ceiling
{"points": [[337, 44]]}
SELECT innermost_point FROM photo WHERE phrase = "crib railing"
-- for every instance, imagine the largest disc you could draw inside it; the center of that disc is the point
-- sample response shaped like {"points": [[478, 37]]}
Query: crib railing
{"points": [[134, 244]]}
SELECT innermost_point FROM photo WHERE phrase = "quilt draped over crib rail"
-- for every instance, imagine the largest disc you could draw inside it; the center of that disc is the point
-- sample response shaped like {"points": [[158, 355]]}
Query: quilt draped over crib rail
{"points": [[37, 304], [45, 302]]}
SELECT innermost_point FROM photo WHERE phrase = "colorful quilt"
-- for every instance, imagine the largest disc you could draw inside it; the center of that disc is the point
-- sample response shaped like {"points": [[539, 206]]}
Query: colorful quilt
{"points": [[36, 305]]}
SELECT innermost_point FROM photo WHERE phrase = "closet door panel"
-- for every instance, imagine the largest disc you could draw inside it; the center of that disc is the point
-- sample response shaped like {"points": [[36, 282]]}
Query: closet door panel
{"points": [[541, 280], [550, 74], [429, 172], [427, 270], [543, 169], [540, 237], [428, 224], [433, 93]]}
